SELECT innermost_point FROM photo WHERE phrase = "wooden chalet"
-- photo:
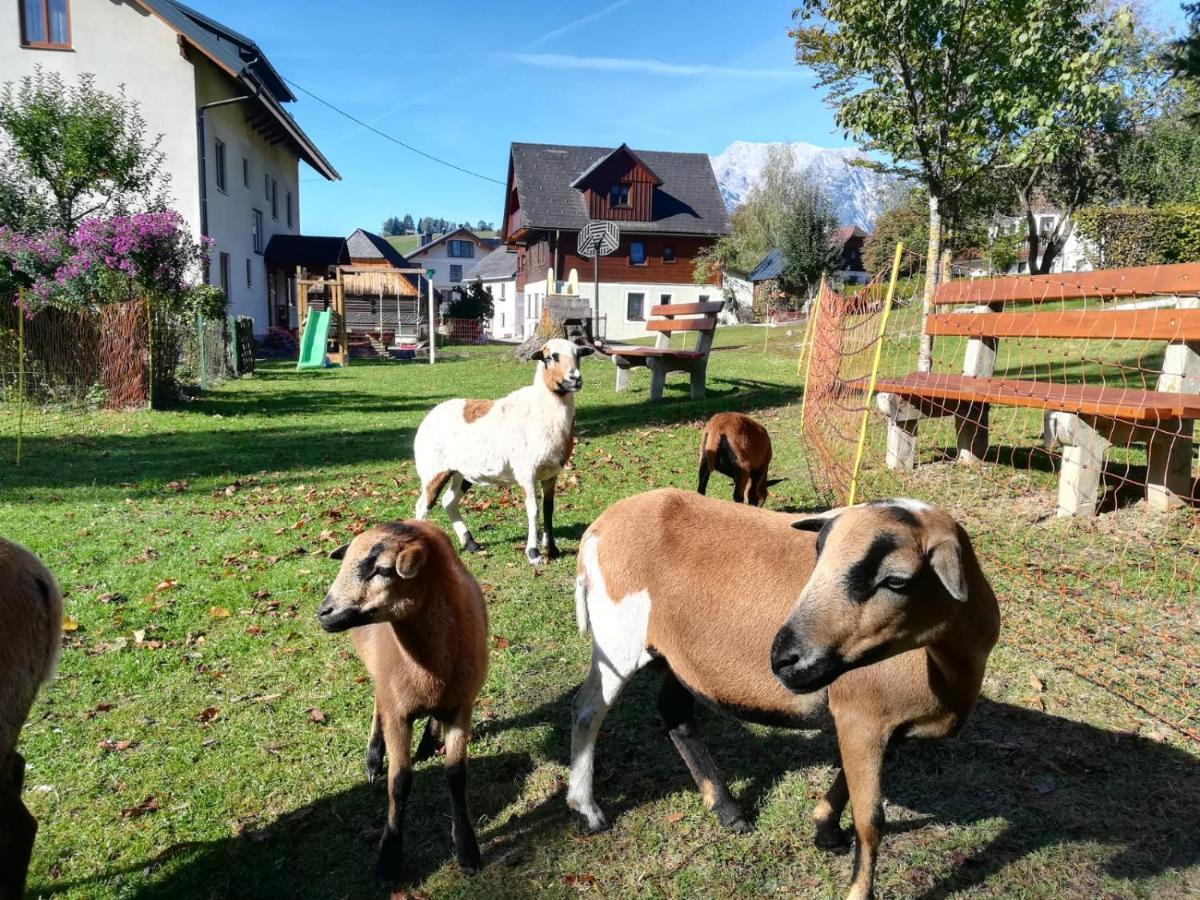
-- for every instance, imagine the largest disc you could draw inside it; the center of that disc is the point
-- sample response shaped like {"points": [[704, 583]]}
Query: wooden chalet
{"points": [[667, 206]]}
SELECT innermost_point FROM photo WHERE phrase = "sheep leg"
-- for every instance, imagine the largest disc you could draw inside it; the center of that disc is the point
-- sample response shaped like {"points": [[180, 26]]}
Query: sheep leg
{"points": [[740, 482], [828, 816], [466, 847], [588, 709], [375, 748], [17, 832], [397, 734], [429, 493], [862, 761], [706, 468], [548, 544], [677, 707], [430, 743], [450, 500], [531, 513], [758, 486]]}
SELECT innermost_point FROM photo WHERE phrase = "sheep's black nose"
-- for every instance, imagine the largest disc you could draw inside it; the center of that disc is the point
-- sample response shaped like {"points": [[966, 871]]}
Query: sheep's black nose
{"points": [[325, 608]]}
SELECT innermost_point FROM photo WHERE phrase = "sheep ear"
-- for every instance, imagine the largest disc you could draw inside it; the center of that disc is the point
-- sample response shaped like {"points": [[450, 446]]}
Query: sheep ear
{"points": [[817, 521], [946, 561], [584, 350], [539, 355], [340, 552], [410, 559]]}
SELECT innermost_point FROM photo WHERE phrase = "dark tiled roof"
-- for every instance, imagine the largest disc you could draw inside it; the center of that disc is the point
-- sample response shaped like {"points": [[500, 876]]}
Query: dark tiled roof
{"points": [[286, 251], [497, 265], [843, 233], [770, 267], [245, 61], [687, 202]]}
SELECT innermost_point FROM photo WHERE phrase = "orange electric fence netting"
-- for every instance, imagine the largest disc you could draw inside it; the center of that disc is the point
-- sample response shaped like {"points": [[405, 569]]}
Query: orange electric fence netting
{"points": [[1054, 418], [60, 368]]}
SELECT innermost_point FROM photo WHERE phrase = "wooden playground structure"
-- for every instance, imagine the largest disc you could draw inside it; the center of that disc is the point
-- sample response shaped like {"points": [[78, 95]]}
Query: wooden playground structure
{"points": [[373, 301]]}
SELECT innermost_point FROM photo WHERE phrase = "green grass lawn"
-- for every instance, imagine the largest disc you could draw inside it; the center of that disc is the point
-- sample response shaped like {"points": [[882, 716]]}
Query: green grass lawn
{"points": [[192, 548]]}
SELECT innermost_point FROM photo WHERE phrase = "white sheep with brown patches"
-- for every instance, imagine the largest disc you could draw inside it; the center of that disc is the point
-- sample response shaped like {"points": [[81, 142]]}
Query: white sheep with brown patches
{"points": [[31, 613], [877, 615], [524, 439], [418, 622]]}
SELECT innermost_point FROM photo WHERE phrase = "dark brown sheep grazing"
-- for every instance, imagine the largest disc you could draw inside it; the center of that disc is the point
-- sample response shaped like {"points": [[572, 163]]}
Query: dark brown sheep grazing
{"points": [[737, 446], [420, 627], [31, 613]]}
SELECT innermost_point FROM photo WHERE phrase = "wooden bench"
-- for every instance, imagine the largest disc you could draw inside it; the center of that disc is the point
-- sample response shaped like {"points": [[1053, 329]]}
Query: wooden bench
{"points": [[661, 359], [1085, 419]]}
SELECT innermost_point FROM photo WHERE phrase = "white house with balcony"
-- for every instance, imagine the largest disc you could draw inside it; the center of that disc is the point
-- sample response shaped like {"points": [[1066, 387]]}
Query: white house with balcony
{"points": [[451, 256], [231, 150]]}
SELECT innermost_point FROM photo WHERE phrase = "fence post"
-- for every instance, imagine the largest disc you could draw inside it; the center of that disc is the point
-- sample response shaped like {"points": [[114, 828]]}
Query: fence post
{"points": [[883, 320], [149, 353], [202, 354], [234, 360], [20, 369]]}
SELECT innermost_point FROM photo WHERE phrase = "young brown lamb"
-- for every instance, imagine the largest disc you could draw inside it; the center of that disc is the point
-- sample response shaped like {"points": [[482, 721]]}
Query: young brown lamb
{"points": [[878, 614], [31, 613], [737, 446], [420, 627]]}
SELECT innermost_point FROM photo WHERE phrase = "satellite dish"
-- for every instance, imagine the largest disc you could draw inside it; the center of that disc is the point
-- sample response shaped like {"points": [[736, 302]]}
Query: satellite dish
{"points": [[598, 239]]}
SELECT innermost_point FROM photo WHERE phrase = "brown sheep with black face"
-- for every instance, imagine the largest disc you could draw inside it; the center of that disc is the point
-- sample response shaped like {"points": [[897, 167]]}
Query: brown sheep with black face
{"points": [[877, 615], [737, 446], [419, 624], [31, 613]]}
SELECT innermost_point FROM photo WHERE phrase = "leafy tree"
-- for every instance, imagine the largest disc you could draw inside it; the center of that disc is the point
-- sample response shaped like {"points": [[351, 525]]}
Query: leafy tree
{"points": [[806, 241], [74, 151], [906, 219], [945, 87], [1161, 162], [473, 302], [406, 224], [1184, 54]]}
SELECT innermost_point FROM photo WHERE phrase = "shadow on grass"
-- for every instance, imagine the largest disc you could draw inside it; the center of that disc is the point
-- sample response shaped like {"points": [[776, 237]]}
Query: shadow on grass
{"points": [[327, 848], [1050, 780], [114, 459]]}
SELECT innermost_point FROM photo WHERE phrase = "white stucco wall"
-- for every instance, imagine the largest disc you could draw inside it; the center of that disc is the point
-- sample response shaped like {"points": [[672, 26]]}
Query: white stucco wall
{"points": [[122, 44], [231, 213], [508, 315], [614, 303], [438, 258]]}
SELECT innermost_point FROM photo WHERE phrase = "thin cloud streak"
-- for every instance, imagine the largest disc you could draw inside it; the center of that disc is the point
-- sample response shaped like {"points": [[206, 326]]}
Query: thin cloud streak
{"points": [[645, 66], [578, 23]]}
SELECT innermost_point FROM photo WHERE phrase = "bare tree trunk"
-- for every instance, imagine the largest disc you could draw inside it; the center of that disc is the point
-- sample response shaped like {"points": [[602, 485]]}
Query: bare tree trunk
{"points": [[933, 272], [1055, 242], [1032, 240]]}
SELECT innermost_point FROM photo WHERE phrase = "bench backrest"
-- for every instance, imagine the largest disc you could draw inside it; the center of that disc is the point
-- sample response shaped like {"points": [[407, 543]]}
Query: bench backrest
{"points": [[701, 318], [1178, 326]]}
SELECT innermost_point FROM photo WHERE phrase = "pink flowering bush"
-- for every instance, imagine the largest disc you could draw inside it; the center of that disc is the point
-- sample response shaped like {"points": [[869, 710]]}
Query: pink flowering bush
{"points": [[145, 255]]}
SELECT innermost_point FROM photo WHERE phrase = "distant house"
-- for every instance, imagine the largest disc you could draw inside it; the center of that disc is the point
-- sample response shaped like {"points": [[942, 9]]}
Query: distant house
{"points": [[451, 256], [767, 277], [667, 206], [498, 273], [234, 168], [1072, 258]]}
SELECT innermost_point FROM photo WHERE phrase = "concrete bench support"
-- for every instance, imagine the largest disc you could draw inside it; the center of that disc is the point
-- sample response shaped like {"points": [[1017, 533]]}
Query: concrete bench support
{"points": [[1082, 463], [903, 419]]}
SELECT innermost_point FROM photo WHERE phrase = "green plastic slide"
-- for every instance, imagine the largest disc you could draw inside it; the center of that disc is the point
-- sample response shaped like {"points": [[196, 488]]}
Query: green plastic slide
{"points": [[316, 336]]}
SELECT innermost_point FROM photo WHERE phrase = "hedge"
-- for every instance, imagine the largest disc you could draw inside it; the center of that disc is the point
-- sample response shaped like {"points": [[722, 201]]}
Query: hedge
{"points": [[1121, 236]]}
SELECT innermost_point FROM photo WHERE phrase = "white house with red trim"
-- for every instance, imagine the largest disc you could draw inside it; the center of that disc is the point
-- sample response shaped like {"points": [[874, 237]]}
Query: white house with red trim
{"points": [[452, 256]]}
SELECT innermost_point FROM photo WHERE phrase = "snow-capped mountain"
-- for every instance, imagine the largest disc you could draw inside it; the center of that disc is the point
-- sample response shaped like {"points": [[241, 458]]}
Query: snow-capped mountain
{"points": [[858, 195]]}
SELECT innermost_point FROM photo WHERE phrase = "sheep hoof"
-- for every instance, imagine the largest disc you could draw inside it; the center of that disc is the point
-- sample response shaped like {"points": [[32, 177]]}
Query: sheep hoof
{"points": [[833, 839], [470, 546], [533, 555], [593, 824], [374, 768], [738, 826], [389, 865], [551, 551]]}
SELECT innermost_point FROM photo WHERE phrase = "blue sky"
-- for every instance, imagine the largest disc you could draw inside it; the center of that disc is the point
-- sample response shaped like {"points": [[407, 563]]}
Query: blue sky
{"points": [[463, 80]]}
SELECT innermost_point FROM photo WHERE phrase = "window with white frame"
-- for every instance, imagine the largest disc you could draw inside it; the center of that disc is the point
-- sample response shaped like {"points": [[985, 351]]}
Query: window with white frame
{"points": [[249, 273], [461, 250], [256, 229], [635, 306], [274, 200], [456, 273]]}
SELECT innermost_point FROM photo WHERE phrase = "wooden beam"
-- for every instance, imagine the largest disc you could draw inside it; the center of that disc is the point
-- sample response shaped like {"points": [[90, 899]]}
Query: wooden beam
{"points": [[1105, 284], [1102, 325]]}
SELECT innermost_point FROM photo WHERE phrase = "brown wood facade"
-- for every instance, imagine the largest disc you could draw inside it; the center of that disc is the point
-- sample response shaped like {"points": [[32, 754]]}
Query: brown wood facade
{"points": [[534, 258], [626, 171]]}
